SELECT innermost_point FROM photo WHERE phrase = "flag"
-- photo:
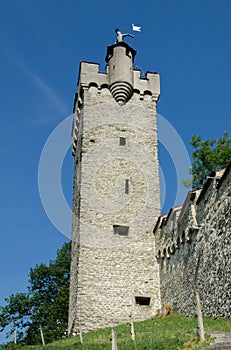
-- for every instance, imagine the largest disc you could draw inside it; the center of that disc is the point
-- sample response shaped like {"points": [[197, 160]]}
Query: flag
{"points": [[136, 28]]}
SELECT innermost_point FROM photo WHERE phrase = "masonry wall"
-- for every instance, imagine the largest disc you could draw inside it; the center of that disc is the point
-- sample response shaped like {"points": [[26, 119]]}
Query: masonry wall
{"points": [[109, 271], [194, 252]]}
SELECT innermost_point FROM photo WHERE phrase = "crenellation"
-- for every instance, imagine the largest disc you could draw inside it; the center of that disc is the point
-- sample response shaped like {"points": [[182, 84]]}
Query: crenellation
{"points": [[89, 73], [201, 257], [150, 84]]}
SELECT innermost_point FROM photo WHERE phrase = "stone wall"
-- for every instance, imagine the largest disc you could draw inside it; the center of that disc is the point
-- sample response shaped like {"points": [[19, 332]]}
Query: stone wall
{"points": [[113, 275], [117, 263], [193, 249]]}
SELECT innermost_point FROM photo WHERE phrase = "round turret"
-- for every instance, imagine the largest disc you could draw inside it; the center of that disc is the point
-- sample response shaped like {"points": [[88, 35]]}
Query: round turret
{"points": [[120, 58]]}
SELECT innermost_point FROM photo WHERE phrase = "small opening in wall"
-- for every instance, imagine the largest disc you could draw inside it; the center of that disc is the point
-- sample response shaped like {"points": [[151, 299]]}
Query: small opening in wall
{"points": [[183, 237], [143, 300], [121, 230], [126, 186], [122, 141]]}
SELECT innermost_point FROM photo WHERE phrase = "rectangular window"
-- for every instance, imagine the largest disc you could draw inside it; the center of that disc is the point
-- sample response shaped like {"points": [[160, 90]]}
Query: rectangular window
{"points": [[122, 141], [120, 230], [126, 186], [143, 300]]}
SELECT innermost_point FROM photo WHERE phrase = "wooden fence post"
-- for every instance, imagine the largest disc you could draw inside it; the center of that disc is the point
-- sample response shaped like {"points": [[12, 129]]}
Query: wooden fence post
{"points": [[133, 333], [80, 335], [15, 337], [199, 317], [132, 330], [42, 337], [114, 339]]}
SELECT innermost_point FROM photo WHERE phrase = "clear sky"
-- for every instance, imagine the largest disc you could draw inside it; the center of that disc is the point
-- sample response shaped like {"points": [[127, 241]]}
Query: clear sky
{"points": [[41, 45]]}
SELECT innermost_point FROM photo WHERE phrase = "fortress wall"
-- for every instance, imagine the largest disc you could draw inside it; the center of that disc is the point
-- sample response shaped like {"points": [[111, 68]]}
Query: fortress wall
{"points": [[193, 250]]}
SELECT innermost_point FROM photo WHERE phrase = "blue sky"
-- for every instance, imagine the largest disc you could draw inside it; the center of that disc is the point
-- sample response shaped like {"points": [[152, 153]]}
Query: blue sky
{"points": [[41, 45]]}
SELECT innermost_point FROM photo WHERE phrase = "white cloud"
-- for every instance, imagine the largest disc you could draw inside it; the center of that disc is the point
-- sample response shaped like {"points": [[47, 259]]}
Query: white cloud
{"points": [[55, 103], [48, 92]]}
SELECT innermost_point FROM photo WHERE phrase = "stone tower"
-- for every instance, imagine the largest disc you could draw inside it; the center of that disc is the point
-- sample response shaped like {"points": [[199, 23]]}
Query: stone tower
{"points": [[114, 274]]}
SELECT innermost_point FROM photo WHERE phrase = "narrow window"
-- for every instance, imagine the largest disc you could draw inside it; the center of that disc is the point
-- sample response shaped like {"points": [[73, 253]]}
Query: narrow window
{"points": [[120, 230], [126, 186], [143, 300], [122, 141]]}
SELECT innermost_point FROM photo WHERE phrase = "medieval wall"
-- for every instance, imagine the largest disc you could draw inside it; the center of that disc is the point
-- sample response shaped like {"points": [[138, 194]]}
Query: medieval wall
{"points": [[119, 268], [113, 276], [193, 250]]}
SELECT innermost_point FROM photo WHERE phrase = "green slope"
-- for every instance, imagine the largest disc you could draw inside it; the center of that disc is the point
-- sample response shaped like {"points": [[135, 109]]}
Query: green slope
{"points": [[166, 333]]}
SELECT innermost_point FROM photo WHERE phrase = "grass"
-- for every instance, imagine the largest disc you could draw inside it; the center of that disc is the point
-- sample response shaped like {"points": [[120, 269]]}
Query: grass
{"points": [[172, 332]]}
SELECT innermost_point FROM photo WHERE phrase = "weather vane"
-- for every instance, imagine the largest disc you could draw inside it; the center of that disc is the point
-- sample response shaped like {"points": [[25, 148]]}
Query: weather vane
{"points": [[120, 36]]}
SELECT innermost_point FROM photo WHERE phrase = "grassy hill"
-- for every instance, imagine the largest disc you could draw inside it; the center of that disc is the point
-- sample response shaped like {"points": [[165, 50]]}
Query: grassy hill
{"points": [[160, 333]]}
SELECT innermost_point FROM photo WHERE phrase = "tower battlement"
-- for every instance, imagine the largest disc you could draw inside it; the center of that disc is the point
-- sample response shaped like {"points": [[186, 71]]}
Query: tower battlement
{"points": [[120, 83], [90, 75]]}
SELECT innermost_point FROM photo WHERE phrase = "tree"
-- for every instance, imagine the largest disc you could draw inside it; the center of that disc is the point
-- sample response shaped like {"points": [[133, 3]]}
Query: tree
{"points": [[45, 303], [207, 156]]}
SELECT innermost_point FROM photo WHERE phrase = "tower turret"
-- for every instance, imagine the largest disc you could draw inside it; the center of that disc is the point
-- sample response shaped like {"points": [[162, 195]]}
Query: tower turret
{"points": [[120, 58]]}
